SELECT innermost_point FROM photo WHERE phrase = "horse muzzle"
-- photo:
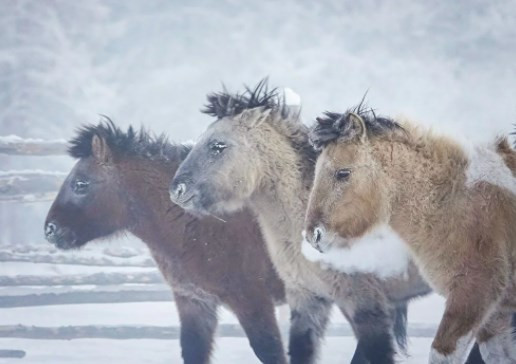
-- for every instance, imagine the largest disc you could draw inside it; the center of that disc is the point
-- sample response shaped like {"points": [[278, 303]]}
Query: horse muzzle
{"points": [[316, 238], [61, 237]]}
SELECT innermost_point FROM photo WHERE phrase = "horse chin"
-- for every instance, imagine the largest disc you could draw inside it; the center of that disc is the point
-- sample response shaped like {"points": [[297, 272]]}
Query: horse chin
{"points": [[205, 203], [69, 244], [195, 205], [323, 246], [333, 241], [227, 207], [213, 209]]}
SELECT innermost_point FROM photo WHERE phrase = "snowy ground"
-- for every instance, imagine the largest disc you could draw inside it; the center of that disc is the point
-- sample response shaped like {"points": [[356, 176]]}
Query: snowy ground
{"points": [[228, 351], [423, 314]]}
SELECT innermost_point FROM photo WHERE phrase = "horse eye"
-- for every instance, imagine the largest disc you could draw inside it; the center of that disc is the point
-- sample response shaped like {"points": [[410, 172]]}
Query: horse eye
{"points": [[80, 186], [218, 147], [342, 174]]}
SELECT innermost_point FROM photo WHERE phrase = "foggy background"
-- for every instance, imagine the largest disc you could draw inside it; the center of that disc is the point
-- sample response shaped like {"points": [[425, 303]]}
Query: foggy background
{"points": [[450, 64], [447, 64]]}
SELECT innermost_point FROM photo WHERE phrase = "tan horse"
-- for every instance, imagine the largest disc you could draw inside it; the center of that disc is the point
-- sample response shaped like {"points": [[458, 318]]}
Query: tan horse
{"points": [[454, 209]]}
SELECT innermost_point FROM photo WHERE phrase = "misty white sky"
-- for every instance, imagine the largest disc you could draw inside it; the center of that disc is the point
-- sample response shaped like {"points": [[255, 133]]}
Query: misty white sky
{"points": [[446, 63]]}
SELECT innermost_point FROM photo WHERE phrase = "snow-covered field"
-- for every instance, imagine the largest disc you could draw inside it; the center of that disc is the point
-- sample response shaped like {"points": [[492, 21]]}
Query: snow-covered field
{"points": [[159, 314], [227, 351]]}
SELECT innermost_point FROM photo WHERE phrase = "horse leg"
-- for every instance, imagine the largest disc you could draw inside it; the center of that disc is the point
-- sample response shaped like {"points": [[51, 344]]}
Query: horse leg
{"points": [[359, 355], [495, 339], [198, 323], [308, 319], [455, 333], [372, 319], [374, 326], [474, 356], [256, 314]]}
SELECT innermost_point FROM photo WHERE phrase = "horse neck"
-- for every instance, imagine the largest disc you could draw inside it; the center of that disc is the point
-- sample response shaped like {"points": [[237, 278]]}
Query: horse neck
{"points": [[427, 173], [155, 216], [280, 201]]}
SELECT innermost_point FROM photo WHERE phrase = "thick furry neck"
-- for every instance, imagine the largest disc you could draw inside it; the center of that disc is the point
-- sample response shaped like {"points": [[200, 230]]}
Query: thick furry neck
{"points": [[147, 183], [429, 159], [281, 199]]}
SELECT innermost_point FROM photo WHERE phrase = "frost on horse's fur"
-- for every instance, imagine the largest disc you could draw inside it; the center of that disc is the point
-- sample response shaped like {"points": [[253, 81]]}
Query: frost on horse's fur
{"points": [[487, 165], [381, 251]]}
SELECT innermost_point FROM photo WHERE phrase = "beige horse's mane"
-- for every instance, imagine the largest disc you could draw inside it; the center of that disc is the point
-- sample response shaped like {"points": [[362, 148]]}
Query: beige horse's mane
{"points": [[262, 104]]}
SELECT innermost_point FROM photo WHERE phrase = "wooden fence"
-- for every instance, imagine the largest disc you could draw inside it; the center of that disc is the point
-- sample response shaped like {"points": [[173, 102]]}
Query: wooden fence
{"points": [[30, 185]]}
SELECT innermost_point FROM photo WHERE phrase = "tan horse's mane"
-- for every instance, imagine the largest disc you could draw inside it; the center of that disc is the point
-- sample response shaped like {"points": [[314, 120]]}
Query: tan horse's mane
{"points": [[333, 126], [343, 127]]}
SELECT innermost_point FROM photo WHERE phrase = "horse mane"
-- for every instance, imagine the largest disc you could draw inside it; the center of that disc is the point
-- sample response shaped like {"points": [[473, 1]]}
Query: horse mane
{"points": [[261, 99], [332, 126], [224, 104], [126, 143]]}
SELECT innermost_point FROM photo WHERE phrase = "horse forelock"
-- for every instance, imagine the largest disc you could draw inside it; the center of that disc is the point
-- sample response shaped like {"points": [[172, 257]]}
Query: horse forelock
{"points": [[126, 143], [225, 104], [262, 103], [332, 126]]}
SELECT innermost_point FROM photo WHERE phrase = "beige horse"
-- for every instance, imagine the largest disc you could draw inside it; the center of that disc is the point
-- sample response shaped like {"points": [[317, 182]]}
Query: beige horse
{"points": [[454, 209], [257, 155]]}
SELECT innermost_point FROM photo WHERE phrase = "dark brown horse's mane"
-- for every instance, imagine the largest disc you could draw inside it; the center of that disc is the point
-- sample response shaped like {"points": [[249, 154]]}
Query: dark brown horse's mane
{"points": [[332, 126], [127, 143], [224, 104]]}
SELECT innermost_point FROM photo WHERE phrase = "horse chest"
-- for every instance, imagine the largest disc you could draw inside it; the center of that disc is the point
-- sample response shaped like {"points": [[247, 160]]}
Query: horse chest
{"points": [[293, 268], [181, 278]]}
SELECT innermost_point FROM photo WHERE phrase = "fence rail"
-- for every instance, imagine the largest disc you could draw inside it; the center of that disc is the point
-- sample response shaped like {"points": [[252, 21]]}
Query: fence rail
{"points": [[97, 279], [14, 145], [30, 185], [159, 332], [69, 298]]}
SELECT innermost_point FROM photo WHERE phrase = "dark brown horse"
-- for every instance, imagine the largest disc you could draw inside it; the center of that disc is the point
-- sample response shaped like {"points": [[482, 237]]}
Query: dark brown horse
{"points": [[121, 183]]}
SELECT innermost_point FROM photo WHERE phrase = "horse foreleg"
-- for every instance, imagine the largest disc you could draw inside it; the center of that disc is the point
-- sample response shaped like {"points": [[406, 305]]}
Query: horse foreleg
{"points": [[474, 356], [495, 339], [456, 330], [372, 318], [255, 312], [198, 324], [308, 320], [359, 355], [374, 325]]}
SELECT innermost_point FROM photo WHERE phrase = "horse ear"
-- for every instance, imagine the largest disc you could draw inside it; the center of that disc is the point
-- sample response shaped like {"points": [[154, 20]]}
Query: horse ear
{"points": [[100, 149], [358, 126], [255, 116]]}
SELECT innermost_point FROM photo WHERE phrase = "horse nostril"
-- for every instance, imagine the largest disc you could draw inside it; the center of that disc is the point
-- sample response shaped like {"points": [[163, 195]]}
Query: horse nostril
{"points": [[50, 229], [317, 235], [180, 190]]}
